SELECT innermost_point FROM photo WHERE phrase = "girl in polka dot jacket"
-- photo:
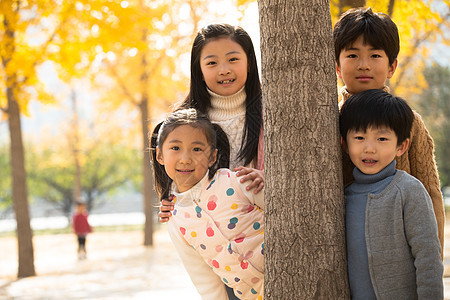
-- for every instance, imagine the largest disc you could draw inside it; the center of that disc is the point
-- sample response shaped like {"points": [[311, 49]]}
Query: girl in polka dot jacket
{"points": [[217, 225]]}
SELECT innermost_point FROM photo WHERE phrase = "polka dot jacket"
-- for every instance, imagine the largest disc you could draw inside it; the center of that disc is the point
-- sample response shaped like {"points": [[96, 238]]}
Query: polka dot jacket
{"points": [[224, 224]]}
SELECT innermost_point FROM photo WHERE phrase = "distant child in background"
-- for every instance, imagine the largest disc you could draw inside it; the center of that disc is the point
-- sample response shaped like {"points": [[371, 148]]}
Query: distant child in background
{"points": [[225, 86], [81, 228], [366, 47], [393, 248], [217, 225]]}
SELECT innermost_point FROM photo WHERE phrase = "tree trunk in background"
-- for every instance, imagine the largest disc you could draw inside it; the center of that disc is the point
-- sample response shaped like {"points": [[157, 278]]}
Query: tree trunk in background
{"points": [[344, 5], [147, 176], [75, 144], [305, 256], [391, 8], [19, 190], [18, 173]]}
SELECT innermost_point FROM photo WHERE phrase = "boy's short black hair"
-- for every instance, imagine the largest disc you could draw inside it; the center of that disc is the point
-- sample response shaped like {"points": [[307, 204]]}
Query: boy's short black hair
{"points": [[376, 108], [377, 29]]}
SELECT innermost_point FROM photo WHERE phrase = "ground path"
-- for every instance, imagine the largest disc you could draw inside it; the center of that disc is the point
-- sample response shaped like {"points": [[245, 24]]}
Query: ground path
{"points": [[118, 267]]}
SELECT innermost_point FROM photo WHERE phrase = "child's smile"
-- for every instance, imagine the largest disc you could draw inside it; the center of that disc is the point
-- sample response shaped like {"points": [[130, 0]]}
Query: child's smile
{"points": [[224, 66], [369, 162], [373, 149], [184, 172], [228, 81], [186, 156]]}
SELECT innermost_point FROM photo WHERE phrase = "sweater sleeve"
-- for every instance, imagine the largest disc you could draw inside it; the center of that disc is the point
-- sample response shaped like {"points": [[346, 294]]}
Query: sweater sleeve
{"points": [[207, 283], [256, 199], [421, 233], [423, 167]]}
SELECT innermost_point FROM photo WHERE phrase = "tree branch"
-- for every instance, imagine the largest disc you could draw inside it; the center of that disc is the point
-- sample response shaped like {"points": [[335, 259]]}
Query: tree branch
{"points": [[391, 7], [121, 83], [47, 43]]}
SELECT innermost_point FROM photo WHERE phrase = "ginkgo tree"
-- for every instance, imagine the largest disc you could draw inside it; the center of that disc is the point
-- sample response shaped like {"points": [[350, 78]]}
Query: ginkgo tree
{"points": [[32, 33], [26, 39]]}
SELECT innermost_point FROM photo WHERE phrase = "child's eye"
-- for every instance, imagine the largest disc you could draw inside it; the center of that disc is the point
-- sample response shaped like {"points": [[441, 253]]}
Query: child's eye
{"points": [[234, 59], [359, 138], [383, 139], [175, 148], [196, 149], [351, 56], [376, 55], [211, 63]]}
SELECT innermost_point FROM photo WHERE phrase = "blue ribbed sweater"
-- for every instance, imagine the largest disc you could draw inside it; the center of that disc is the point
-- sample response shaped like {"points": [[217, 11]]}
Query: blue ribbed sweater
{"points": [[356, 199]]}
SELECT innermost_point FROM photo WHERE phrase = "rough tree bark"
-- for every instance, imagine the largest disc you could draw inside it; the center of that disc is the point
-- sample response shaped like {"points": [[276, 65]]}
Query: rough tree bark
{"points": [[304, 237]]}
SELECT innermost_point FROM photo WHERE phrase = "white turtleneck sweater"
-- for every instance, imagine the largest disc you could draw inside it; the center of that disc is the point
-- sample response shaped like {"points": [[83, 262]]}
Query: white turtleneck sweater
{"points": [[229, 113]]}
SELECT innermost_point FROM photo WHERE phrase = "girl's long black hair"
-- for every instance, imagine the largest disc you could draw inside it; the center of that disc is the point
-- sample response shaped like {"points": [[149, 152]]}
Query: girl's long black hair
{"points": [[215, 136], [200, 99]]}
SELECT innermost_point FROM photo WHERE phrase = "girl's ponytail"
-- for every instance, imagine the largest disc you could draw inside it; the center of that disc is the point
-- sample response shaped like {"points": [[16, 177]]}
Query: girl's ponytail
{"points": [[162, 180]]}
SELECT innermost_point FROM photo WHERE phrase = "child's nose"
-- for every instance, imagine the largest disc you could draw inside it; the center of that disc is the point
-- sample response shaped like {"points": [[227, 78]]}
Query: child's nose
{"points": [[224, 69], [185, 157], [369, 147], [363, 65]]}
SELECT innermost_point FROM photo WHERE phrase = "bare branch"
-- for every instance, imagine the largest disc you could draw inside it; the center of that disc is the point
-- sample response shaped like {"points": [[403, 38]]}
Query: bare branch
{"points": [[121, 83], [391, 7]]}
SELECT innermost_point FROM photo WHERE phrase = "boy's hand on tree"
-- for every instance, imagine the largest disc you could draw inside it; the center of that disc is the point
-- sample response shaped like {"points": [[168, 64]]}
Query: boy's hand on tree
{"points": [[256, 176], [165, 209]]}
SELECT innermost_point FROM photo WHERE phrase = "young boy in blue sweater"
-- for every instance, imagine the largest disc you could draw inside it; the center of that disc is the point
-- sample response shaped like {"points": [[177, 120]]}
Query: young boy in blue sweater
{"points": [[393, 248]]}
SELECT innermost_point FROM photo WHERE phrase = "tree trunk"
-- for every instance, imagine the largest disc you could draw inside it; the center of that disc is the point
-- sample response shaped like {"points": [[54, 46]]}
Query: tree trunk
{"points": [[346, 4], [305, 256], [75, 144], [147, 177], [19, 190], [146, 169], [391, 8], [18, 173]]}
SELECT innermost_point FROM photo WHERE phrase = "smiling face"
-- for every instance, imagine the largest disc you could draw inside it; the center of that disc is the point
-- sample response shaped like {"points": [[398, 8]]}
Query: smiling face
{"points": [[186, 156], [362, 67], [373, 149], [224, 66]]}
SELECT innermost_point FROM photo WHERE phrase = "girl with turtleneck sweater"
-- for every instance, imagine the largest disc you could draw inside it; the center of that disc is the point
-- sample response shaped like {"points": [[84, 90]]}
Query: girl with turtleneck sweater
{"points": [[229, 113], [225, 86]]}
